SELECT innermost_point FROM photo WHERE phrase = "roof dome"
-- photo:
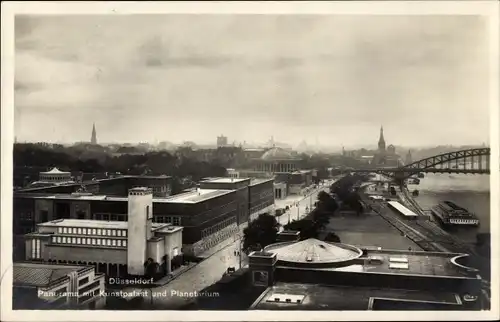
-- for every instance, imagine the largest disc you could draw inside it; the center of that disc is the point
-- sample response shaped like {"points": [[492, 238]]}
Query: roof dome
{"points": [[277, 154], [55, 171], [313, 251]]}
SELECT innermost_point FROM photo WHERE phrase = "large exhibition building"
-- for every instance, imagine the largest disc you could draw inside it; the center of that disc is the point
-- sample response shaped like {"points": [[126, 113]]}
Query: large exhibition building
{"points": [[209, 214], [112, 247]]}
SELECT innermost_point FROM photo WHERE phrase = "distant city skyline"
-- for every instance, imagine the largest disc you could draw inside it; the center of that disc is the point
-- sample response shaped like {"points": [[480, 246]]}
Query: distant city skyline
{"points": [[295, 77]]}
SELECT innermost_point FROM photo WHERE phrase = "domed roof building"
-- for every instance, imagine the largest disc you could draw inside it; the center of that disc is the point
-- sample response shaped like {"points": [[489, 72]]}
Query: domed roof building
{"points": [[314, 253], [277, 154], [317, 275], [277, 159]]}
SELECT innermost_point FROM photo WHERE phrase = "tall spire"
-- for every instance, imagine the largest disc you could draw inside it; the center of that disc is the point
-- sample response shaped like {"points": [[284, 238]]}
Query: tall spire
{"points": [[93, 139], [381, 140]]}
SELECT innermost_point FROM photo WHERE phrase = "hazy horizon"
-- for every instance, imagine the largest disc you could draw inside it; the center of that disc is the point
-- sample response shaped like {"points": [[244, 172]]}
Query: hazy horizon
{"points": [[334, 79]]}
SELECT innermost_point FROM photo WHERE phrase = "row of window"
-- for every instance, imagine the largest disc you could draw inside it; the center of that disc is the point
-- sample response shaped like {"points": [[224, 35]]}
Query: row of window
{"points": [[216, 212], [89, 241], [111, 217], [92, 231], [26, 215], [260, 206], [174, 220], [464, 221], [160, 189], [215, 228]]}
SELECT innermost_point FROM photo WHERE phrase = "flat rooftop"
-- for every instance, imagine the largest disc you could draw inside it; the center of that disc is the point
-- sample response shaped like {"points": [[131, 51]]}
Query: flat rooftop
{"points": [[39, 275], [196, 196], [256, 181], [224, 180], [405, 263], [187, 197], [322, 297], [85, 223], [402, 209]]}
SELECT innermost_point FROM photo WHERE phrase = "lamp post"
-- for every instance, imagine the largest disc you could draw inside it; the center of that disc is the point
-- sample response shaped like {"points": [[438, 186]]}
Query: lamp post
{"points": [[238, 238]]}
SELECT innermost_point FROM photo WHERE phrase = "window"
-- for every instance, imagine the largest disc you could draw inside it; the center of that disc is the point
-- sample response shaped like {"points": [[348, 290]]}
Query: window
{"points": [[88, 241], [398, 265], [98, 232], [119, 232], [84, 231], [125, 243], [124, 233], [113, 232], [78, 240], [109, 232], [73, 240], [114, 242], [79, 231], [84, 241], [83, 281], [98, 242], [65, 230], [119, 242], [93, 241], [63, 240], [105, 217], [108, 242], [93, 232], [176, 221], [53, 239], [113, 217], [59, 230], [36, 248], [58, 239], [398, 260]]}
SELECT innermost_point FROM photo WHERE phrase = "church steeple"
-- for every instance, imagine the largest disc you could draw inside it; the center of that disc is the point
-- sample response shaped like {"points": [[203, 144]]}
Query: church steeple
{"points": [[93, 139], [381, 140], [409, 158]]}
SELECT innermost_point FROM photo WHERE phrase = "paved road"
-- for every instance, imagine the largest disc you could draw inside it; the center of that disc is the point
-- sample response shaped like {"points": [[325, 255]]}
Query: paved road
{"points": [[211, 269]]}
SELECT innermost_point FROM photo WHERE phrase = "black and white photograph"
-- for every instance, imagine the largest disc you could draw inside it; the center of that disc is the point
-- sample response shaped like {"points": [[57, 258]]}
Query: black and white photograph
{"points": [[257, 161]]}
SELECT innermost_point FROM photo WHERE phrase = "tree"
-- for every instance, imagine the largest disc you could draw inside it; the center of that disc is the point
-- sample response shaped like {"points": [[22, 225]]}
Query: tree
{"points": [[326, 202], [151, 268], [42, 158], [306, 227], [260, 232], [332, 237]]}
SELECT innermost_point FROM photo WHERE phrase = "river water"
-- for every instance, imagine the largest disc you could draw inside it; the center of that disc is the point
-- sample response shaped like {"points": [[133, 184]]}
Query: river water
{"points": [[472, 192]]}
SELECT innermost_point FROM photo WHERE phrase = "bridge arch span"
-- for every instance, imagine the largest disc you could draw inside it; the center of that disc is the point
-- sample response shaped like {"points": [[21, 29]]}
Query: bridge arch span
{"points": [[450, 162]]}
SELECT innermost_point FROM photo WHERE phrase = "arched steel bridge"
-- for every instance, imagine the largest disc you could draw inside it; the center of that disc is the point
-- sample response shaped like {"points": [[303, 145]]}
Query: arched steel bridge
{"points": [[473, 161]]}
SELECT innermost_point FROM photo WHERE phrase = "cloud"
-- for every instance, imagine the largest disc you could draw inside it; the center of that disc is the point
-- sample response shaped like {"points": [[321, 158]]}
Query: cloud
{"points": [[296, 75]]}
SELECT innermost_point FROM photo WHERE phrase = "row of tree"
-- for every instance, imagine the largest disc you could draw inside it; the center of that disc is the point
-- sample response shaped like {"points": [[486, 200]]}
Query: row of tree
{"points": [[182, 169], [345, 190], [264, 230]]}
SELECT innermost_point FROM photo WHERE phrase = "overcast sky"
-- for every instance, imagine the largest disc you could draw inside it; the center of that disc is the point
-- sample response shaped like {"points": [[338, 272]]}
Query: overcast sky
{"points": [[336, 78]]}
